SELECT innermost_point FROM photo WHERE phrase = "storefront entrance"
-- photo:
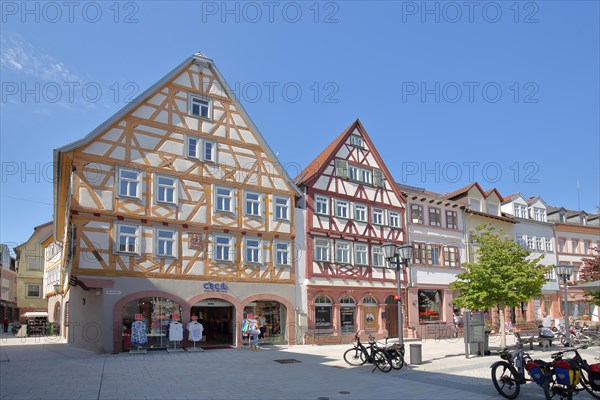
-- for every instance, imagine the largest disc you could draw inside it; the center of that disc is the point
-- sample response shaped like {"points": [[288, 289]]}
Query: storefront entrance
{"points": [[217, 317], [269, 315]]}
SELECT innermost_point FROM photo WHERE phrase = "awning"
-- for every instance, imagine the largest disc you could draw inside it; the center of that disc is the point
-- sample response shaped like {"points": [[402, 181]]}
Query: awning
{"points": [[35, 314], [594, 285]]}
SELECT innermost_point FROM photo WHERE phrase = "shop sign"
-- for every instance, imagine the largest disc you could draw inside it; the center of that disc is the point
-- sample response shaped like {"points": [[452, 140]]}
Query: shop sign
{"points": [[215, 287], [195, 241], [323, 317], [370, 313]]}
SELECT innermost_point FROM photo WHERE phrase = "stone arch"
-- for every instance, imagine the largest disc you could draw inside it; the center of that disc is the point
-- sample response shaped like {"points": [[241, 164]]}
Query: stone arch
{"points": [[291, 312]]}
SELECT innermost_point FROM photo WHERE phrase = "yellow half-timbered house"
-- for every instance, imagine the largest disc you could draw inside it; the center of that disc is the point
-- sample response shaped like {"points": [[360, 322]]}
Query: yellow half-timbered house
{"points": [[175, 209]]}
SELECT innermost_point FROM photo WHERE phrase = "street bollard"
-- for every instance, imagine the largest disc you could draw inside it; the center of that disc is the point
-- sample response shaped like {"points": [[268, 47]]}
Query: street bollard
{"points": [[415, 354]]}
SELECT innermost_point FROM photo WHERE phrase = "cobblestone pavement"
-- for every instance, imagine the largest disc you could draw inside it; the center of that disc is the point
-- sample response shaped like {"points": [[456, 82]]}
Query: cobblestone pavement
{"points": [[45, 368]]}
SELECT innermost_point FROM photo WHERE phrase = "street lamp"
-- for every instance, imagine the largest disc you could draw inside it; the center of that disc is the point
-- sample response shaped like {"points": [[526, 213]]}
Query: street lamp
{"points": [[398, 256], [564, 272]]}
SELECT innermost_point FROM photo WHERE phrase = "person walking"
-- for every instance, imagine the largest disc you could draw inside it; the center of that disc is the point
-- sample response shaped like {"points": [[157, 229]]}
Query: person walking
{"points": [[254, 335], [5, 324]]}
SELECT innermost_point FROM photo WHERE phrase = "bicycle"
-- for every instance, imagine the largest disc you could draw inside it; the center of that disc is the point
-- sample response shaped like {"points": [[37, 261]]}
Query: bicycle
{"points": [[508, 375], [396, 354], [563, 384], [359, 355]]}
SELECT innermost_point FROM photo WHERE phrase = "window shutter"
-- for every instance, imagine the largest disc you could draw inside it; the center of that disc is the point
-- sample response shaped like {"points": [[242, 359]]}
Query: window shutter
{"points": [[378, 178], [341, 168]]}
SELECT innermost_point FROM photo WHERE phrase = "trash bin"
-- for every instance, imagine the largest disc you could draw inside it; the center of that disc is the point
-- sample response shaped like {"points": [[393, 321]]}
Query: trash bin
{"points": [[415, 354], [486, 344]]}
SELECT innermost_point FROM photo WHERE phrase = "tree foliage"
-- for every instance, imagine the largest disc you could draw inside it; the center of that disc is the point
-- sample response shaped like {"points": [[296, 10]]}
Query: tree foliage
{"points": [[590, 271], [504, 274]]}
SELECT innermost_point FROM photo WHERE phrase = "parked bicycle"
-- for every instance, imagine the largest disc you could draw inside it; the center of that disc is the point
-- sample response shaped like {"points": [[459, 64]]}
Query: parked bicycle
{"points": [[508, 375], [571, 375], [359, 355], [395, 352]]}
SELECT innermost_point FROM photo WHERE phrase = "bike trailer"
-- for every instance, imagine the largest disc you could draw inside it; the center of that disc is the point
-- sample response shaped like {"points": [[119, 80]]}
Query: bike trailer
{"points": [[567, 372], [595, 376], [536, 371]]}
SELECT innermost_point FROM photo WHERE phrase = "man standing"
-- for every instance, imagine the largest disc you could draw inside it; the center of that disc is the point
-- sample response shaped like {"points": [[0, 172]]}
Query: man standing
{"points": [[547, 320], [5, 324]]}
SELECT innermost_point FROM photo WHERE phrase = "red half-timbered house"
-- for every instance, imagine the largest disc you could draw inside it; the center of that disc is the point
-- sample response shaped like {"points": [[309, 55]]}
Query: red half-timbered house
{"points": [[353, 207]]}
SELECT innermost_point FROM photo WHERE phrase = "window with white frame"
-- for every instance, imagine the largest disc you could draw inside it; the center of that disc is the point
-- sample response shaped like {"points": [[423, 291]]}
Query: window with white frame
{"points": [[223, 248], [253, 250], [360, 212], [357, 141], [253, 204], [322, 205], [586, 246], [342, 252], [35, 263], [531, 242], [451, 219], [341, 209], [200, 106], [539, 214], [378, 260], [127, 238], [416, 214], [475, 204], [165, 243], [521, 240], [224, 199], [520, 211], [321, 250], [341, 168], [435, 216], [129, 182], [282, 253], [361, 254], [209, 151], [549, 247], [395, 221], [33, 290], [366, 176], [192, 147], [166, 189], [575, 244], [353, 172], [539, 243], [282, 208], [378, 216]]}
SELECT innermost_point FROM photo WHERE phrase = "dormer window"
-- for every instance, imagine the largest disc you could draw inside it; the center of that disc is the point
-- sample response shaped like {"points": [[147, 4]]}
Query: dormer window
{"points": [[582, 219], [539, 214], [475, 204], [562, 217], [492, 208]]}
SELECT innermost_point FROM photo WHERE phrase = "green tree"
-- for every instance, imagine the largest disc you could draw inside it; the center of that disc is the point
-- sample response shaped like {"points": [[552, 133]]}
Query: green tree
{"points": [[589, 272], [503, 275]]}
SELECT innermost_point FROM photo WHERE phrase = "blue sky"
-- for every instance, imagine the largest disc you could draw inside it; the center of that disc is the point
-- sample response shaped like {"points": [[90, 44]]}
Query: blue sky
{"points": [[505, 93]]}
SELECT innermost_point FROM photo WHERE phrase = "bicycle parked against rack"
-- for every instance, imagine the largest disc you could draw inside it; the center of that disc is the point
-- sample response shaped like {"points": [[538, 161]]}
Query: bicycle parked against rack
{"points": [[567, 374], [395, 352], [508, 375], [359, 355]]}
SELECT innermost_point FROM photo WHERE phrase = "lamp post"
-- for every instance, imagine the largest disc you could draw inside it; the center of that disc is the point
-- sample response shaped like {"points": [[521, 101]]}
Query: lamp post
{"points": [[564, 271], [398, 256]]}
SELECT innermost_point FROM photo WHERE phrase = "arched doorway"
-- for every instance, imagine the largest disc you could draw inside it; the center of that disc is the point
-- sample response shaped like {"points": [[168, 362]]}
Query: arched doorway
{"points": [[391, 316], [272, 317], [217, 316], [347, 315]]}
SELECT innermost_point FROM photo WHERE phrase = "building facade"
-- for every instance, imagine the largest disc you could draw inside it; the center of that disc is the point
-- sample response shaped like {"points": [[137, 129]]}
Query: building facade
{"points": [[174, 209], [8, 288], [535, 233], [353, 206], [30, 270], [577, 236], [436, 230]]}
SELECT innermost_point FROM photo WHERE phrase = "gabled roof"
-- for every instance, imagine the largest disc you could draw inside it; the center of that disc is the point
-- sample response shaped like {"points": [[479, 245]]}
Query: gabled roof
{"points": [[536, 198], [494, 190], [420, 193], [463, 190], [552, 210], [198, 58], [512, 197], [318, 165], [39, 235]]}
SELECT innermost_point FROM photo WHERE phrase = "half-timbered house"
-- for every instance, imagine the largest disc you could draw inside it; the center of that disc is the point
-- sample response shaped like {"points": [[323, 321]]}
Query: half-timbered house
{"points": [[353, 206], [173, 209]]}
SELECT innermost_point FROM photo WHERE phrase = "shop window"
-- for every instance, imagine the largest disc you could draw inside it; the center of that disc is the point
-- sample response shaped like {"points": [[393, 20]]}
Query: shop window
{"points": [[347, 315], [430, 305], [271, 317], [323, 314], [146, 321], [370, 313]]}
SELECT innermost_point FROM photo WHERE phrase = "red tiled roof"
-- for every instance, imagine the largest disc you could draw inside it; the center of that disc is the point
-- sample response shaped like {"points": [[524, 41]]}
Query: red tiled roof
{"points": [[463, 189], [507, 198], [487, 194], [318, 163]]}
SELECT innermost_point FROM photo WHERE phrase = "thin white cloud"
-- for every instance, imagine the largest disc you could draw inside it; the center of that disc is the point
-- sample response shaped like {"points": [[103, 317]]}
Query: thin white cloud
{"points": [[21, 57]]}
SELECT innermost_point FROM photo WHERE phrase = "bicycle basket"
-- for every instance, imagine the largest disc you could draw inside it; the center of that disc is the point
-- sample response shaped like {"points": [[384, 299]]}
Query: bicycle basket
{"points": [[595, 376], [536, 372], [567, 372]]}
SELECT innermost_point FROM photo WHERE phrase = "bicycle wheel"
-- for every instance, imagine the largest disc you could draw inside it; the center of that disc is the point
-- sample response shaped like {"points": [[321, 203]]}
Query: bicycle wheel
{"points": [[557, 391], [381, 362], [355, 356], [585, 383], [505, 380], [396, 360]]}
